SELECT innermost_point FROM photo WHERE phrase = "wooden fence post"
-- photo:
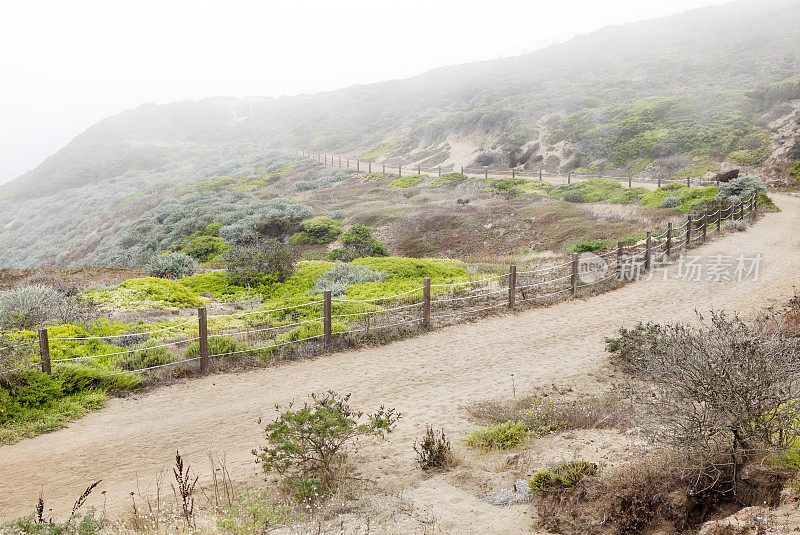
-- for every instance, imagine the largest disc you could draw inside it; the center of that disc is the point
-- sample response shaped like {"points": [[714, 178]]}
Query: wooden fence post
{"points": [[741, 210], [630, 181], [486, 173], [44, 350], [426, 302], [358, 165], [669, 239], [369, 170], [705, 225], [384, 168], [540, 174], [399, 170], [659, 181], [687, 182], [619, 260], [689, 231], [419, 170], [574, 278], [647, 250], [326, 320], [440, 171], [202, 322], [513, 173], [462, 169], [569, 177], [719, 218], [512, 286]]}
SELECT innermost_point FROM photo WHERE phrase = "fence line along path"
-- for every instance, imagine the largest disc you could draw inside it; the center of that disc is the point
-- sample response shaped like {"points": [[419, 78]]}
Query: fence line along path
{"points": [[315, 326], [368, 166]]}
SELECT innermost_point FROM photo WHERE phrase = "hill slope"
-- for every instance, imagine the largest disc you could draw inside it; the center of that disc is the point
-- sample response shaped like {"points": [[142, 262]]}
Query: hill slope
{"points": [[691, 85]]}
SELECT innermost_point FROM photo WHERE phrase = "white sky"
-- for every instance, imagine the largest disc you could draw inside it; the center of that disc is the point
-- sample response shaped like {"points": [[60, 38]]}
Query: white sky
{"points": [[65, 65]]}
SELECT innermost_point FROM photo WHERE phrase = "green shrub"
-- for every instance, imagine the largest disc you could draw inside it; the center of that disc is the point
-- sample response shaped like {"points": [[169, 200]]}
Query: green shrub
{"points": [[446, 179], [504, 436], [29, 306], [311, 442], [34, 389], [79, 377], [740, 188], [319, 229], [407, 181], [343, 276], [217, 346], [357, 243], [204, 248], [561, 478], [252, 261], [171, 266], [691, 198], [597, 190], [509, 187], [144, 355], [753, 149], [795, 172], [671, 201], [588, 246], [763, 201]]}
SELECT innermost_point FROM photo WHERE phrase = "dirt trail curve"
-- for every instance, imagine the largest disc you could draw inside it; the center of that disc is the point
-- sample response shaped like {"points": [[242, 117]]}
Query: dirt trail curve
{"points": [[426, 377]]}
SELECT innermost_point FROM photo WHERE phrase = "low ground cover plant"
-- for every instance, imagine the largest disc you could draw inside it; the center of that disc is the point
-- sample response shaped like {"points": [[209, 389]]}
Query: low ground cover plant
{"points": [[446, 179], [144, 294], [408, 181], [502, 436], [561, 478]]}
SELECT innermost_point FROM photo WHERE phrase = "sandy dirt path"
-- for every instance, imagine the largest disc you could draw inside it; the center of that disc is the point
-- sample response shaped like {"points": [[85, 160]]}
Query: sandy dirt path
{"points": [[426, 378]]}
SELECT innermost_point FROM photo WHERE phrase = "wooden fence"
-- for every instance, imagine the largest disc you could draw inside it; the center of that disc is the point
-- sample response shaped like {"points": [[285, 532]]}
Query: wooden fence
{"points": [[428, 306]]}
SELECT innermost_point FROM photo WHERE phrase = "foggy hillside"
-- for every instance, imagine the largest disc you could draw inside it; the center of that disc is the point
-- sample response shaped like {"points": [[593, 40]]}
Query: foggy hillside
{"points": [[693, 84]]}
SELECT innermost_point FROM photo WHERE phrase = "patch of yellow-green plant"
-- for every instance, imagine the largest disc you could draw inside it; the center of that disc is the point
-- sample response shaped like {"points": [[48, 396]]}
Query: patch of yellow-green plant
{"points": [[700, 166], [690, 198], [380, 150], [446, 179], [753, 149], [598, 190], [503, 436], [266, 179], [51, 417], [145, 294], [563, 477], [376, 176], [407, 181]]}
